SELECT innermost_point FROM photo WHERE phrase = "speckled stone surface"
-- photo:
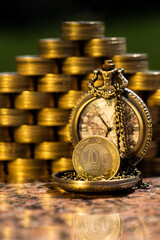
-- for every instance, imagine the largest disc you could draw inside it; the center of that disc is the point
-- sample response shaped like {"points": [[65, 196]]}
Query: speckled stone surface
{"points": [[41, 211]]}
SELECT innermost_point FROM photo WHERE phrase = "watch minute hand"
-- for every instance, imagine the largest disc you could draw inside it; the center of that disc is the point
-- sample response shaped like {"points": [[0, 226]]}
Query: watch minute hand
{"points": [[109, 128]]}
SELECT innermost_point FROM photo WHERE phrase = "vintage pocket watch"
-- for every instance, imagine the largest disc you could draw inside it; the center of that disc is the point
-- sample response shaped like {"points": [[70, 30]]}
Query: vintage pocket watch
{"points": [[115, 112]]}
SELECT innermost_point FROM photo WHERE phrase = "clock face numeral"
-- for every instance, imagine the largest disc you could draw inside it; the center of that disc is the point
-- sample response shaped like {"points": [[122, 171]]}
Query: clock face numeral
{"points": [[98, 118]]}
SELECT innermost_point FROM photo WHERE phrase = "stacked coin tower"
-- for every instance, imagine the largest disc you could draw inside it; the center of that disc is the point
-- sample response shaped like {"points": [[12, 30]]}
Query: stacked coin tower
{"points": [[35, 101]]}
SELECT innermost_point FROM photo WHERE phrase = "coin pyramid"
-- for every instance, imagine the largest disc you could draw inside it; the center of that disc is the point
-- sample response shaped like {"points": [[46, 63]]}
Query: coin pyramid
{"points": [[35, 101]]}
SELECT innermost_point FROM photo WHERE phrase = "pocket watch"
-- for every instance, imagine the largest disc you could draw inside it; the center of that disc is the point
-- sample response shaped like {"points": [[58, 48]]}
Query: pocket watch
{"points": [[115, 112]]}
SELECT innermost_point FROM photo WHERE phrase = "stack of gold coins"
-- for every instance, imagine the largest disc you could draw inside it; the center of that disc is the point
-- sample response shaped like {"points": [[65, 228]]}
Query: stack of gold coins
{"points": [[82, 30], [80, 65], [153, 102], [145, 81], [35, 65], [56, 83], [36, 101], [56, 48], [131, 62], [24, 170], [105, 47]]}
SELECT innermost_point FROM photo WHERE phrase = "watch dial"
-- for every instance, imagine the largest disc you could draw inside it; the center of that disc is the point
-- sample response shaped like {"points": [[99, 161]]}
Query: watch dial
{"points": [[98, 118]]}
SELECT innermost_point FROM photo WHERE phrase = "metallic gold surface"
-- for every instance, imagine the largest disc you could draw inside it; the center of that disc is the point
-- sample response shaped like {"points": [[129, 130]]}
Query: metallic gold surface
{"points": [[82, 30], [154, 99], [33, 100], [12, 151], [94, 157], [35, 65], [53, 117], [105, 47], [12, 82], [69, 181], [23, 170], [10, 117], [56, 48], [67, 100], [33, 134], [145, 81], [56, 83], [62, 164], [64, 134], [79, 65], [53, 150], [131, 62]]}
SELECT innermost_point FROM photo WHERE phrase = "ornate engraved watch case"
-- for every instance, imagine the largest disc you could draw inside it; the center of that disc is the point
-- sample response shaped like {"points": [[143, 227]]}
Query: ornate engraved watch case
{"points": [[116, 113]]}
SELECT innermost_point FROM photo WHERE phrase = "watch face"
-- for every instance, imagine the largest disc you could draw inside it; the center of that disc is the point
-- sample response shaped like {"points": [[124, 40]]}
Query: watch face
{"points": [[98, 118]]}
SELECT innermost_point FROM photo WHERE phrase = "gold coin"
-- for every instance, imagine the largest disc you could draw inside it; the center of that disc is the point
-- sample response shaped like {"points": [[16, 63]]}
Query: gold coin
{"points": [[64, 134], [35, 65], [131, 62], [154, 99], [33, 100], [53, 117], [24, 170], [105, 47], [10, 117], [67, 100], [82, 30], [94, 157], [12, 82], [56, 83], [56, 48], [62, 164], [80, 65], [53, 150], [12, 151], [145, 81], [32, 134]]}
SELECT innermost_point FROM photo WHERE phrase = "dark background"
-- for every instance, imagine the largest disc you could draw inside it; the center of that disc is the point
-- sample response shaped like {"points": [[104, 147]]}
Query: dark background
{"points": [[22, 23]]}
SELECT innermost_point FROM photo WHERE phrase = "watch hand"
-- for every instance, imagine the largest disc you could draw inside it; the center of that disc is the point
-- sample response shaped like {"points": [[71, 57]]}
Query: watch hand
{"points": [[108, 128]]}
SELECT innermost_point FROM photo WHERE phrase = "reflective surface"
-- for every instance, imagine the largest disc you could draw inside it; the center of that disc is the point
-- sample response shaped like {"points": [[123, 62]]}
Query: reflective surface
{"points": [[41, 211]]}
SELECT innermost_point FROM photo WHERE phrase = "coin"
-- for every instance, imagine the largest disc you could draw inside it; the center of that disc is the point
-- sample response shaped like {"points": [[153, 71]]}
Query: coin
{"points": [[102, 47], [94, 157], [56, 83], [33, 134], [52, 150], [11, 82], [82, 30], [11, 117], [154, 99], [33, 100], [131, 62], [53, 117], [149, 80], [56, 48], [31, 65], [80, 65], [12, 151], [67, 100]]}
